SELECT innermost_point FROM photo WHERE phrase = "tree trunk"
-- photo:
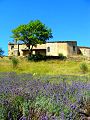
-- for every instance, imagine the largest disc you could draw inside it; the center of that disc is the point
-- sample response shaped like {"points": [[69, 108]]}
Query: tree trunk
{"points": [[18, 50], [30, 49]]}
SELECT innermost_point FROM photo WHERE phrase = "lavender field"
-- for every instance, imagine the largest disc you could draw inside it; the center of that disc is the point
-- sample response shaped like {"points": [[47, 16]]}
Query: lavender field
{"points": [[30, 97]]}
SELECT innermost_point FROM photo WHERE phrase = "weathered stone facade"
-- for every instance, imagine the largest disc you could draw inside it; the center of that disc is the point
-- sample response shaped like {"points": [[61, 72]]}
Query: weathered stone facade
{"points": [[85, 51], [67, 48]]}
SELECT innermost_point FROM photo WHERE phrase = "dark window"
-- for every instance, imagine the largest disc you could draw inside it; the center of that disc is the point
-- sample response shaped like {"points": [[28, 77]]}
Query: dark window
{"points": [[48, 49], [73, 48], [12, 46]]}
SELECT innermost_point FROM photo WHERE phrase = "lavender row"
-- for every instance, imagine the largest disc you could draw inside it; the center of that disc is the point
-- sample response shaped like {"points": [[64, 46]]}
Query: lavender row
{"points": [[65, 100]]}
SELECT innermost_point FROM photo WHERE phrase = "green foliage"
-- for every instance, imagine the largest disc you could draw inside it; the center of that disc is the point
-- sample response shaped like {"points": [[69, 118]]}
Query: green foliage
{"points": [[17, 104], [36, 58], [3, 112], [26, 106], [33, 33], [15, 62], [84, 67], [61, 56], [47, 104], [1, 52]]}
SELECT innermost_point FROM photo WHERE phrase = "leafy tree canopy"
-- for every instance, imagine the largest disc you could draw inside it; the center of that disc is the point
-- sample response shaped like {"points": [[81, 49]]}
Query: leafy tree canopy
{"points": [[33, 33], [1, 52]]}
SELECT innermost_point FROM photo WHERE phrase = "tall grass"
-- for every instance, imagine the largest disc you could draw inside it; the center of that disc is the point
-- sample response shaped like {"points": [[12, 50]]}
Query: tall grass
{"points": [[84, 67], [15, 62], [50, 67]]}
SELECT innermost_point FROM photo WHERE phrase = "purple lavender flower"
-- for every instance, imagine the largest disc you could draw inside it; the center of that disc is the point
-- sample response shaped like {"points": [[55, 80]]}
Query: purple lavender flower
{"points": [[44, 118], [29, 87]]}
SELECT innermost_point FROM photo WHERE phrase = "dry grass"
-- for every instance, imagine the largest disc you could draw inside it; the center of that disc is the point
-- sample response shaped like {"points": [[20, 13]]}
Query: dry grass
{"points": [[52, 67]]}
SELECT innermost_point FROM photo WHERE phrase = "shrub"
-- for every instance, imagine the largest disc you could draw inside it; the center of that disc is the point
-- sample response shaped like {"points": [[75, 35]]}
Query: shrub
{"points": [[15, 62], [84, 67], [37, 57], [61, 56]]}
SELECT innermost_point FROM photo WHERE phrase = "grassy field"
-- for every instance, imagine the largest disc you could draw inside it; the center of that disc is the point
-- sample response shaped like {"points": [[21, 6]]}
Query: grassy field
{"points": [[50, 67]]}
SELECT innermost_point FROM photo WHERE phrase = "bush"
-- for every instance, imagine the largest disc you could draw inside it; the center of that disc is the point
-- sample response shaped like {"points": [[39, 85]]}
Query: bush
{"points": [[84, 67], [15, 62], [61, 56], [37, 57]]}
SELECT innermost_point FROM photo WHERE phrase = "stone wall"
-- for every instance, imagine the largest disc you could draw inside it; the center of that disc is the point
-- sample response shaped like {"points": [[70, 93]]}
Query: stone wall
{"points": [[85, 51], [67, 48]]}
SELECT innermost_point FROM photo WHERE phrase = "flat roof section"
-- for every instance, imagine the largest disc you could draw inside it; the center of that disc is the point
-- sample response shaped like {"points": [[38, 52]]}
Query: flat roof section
{"points": [[46, 42], [84, 47], [61, 42]]}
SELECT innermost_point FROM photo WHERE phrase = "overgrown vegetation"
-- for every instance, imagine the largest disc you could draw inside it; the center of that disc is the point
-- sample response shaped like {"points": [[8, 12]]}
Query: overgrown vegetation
{"points": [[40, 57], [84, 67], [15, 62], [37, 57], [46, 67], [62, 57]]}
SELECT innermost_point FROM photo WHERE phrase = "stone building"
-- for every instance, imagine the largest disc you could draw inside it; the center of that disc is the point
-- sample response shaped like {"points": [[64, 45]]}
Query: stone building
{"points": [[85, 51], [67, 48]]}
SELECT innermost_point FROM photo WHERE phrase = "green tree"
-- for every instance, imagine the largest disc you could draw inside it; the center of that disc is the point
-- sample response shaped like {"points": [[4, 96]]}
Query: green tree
{"points": [[33, 33], [1, 52]]}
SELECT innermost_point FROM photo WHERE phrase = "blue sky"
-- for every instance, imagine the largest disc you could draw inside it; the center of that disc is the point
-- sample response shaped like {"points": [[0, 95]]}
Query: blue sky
{"points": [[68, 19]]}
